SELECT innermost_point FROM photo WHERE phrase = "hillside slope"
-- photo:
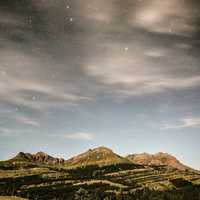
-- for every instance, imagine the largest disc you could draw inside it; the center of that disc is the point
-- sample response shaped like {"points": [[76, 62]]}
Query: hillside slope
{"points": [[97, 156], [39, 157], [98, 174], [157, 159]]}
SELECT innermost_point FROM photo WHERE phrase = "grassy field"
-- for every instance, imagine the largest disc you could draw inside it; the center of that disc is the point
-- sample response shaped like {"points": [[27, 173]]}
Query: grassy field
{"points": [[119, 181], [10, 198]]}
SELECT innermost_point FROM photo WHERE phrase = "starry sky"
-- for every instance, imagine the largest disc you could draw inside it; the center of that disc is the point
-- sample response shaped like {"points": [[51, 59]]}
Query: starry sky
{"points": [[78, 74]]}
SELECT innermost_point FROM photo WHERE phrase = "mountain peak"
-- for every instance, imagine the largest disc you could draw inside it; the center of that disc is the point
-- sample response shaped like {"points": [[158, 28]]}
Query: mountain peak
{"points": [[43, 157], [40, 157], [41, 152], [21, 154], [104, 156], [97, 156], [159, 158], [161, 154], [101, 149]]}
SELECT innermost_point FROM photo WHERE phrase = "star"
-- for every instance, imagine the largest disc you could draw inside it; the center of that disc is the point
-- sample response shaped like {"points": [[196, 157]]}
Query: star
{"points": [[126, 48], [71, 19], [34, 98], [4, 73]]}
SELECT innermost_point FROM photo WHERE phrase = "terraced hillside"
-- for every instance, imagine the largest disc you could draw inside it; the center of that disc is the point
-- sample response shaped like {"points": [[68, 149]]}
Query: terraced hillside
{"points": [[11, 198], [123, 180]]}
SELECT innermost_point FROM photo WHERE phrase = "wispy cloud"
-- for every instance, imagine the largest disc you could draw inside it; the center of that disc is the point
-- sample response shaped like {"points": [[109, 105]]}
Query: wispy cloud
{"points": [[121, 74], [171, 17], [79, 136], [28, 89], [6, 132], [27, 121], [75, 136], [190, 122], [115, 66]]}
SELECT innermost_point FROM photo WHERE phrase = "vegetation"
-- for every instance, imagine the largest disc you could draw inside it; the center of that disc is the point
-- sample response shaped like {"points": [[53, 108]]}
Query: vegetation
{"points": [[115, 181], [10, 198]]}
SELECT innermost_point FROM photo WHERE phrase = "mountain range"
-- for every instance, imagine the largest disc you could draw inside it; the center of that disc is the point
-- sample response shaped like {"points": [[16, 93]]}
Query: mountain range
{"points": [[96, 174], [39, 157], [104, 156]]}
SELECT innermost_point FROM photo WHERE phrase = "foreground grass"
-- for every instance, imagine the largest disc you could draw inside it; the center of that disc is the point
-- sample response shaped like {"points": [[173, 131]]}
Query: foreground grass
{"points": [[10, 198], [136, 182]]}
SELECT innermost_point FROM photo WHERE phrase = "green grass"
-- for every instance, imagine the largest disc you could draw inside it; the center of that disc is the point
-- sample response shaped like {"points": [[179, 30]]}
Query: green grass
{"points": [[47, 181], [10, 198]]}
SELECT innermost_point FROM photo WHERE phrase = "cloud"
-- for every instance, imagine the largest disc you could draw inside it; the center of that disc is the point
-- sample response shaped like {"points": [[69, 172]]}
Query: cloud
{"points": [[26, 121], [99, 11], [190, 122], [7, 132], [24, 85], [11, 20], [44, 74], [80, 136], [75, 136], [118, 50], [16, 117], [142, 69], [171, 17]]}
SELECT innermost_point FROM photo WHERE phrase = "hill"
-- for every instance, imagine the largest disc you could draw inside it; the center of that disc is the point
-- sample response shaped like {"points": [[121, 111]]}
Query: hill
{"points": [[27, 160], [157, 159], [39, 157], [96, 156], [97, 174]]}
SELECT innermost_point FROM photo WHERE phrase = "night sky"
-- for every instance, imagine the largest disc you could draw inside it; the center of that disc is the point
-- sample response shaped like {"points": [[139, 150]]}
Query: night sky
{"points": [[76, 74]]}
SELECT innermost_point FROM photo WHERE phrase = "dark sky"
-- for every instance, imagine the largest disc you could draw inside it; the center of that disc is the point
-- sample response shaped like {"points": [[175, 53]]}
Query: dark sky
{"points": [[76, 74]]}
